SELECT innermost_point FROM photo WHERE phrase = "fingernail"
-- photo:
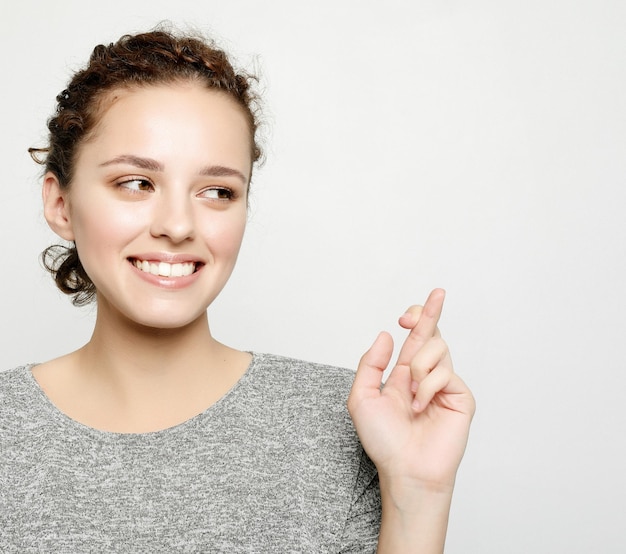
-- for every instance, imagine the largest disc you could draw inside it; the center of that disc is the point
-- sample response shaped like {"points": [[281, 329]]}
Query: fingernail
{"points": [[415, 405], [414, 386]]}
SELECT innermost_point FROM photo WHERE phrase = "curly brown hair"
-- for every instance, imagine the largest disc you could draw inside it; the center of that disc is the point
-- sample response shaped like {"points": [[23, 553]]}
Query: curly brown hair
{"points": [[143, 59]]}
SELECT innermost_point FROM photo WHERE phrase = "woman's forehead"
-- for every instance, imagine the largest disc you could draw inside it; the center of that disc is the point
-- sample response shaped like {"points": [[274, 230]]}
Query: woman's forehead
{"points": [[171, 117]]}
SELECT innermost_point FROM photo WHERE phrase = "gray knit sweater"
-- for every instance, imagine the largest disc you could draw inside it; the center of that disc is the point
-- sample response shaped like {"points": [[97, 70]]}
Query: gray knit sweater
{"points": [[274, 466]]}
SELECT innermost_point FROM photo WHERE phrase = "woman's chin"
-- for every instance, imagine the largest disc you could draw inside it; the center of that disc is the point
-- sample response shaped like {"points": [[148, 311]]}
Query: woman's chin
{"points": [[157, 318], [169, 323]]}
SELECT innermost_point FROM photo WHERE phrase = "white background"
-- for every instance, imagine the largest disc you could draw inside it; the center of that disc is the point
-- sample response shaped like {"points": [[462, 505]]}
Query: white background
{"points": [[478, 146]]}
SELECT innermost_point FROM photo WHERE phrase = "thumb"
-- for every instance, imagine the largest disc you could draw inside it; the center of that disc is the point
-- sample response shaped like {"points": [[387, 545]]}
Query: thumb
{"points": [[369, 374]]}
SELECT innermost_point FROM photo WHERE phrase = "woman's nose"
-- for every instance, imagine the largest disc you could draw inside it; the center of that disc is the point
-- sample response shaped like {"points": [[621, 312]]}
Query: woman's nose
{"points": [[173, 218]]}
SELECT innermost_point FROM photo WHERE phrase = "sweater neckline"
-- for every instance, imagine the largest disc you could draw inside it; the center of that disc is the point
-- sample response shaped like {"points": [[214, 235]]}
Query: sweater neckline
{"points": [[71, 425]]}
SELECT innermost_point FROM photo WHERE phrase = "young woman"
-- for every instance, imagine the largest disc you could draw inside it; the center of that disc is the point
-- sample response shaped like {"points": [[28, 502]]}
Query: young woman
{"points": [[154, 436]]}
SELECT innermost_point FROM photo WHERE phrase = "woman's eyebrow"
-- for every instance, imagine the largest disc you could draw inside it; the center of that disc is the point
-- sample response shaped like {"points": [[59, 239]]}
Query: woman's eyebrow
{"points": [[153, 165], [222, 171], [142, 163]]}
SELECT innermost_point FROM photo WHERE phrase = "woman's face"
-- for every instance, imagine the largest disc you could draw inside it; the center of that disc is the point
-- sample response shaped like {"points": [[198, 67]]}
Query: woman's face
{"points": [[157, 205]]}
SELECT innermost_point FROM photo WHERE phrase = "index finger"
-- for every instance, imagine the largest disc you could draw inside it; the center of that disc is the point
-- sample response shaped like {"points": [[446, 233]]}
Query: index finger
{"points": [[425, 327]]}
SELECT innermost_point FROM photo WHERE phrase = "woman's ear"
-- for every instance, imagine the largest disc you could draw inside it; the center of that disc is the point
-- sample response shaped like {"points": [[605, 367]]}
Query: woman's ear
{"points": [[56, 207]]}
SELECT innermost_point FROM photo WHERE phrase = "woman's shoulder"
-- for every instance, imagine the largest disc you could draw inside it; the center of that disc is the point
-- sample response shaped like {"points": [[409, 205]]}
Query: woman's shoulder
{"points": [[300, 403], [289, 387], [301, 374], [18, 394], [15, 380], [289, 364]]}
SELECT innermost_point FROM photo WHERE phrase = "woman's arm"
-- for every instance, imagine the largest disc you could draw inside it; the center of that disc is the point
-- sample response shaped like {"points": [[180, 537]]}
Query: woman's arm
{"points": [[414, 429], [413, 520]]}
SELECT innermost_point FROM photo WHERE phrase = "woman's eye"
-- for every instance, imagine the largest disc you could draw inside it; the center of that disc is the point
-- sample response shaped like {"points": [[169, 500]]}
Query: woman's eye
{"points": [[136, 185], [217, 193]]}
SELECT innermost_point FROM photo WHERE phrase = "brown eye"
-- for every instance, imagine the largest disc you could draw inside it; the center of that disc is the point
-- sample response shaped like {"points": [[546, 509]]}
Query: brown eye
{"points": [[136, 185], [217, 193]]}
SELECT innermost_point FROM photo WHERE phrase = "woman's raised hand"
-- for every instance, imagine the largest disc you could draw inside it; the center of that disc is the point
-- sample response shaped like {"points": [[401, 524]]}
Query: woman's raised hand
{"points": [[415, 427]]}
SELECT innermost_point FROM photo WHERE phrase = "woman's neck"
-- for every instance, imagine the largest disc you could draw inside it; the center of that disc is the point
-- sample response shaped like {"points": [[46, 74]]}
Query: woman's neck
{"points": [[119, 347], [130, 378]]}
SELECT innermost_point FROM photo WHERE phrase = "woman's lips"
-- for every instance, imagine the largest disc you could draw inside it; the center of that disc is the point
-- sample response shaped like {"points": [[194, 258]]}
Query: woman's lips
{"points": [[172, 276], [165, 269]]}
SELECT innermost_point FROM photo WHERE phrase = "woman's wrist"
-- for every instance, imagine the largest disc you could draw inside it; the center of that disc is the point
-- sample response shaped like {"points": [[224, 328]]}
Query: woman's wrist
{"points": [[414, 516]]}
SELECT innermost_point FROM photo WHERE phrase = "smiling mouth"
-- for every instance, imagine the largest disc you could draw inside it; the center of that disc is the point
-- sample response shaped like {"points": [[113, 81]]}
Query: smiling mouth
{"points": [[165, 269]]}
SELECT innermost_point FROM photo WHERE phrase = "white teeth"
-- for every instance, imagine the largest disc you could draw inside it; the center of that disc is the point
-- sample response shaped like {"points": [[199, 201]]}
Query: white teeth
{"points": [[164, 269], [177, 270]]}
